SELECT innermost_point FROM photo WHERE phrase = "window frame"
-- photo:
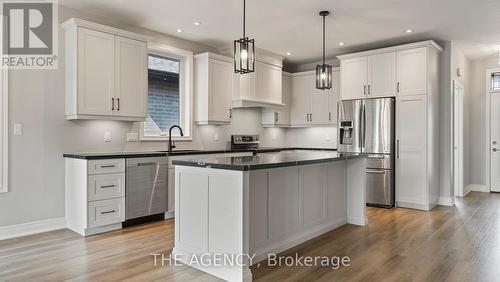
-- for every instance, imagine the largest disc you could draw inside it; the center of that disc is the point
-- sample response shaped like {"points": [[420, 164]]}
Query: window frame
{"points": [[186, 104]]}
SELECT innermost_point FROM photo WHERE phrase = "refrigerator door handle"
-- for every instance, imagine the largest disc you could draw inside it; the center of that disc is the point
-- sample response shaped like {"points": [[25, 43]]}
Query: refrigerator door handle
{"points": [[397, 148], [364, 128]]}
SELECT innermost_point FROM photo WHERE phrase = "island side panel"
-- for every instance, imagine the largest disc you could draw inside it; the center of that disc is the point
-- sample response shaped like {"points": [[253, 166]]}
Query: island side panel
{"points": [[291, 205], [210, 219], [356, 191]]}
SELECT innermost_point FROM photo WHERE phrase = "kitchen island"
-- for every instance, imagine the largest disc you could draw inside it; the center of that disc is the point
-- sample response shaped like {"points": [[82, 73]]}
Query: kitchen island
{"points": [[233, 212]]}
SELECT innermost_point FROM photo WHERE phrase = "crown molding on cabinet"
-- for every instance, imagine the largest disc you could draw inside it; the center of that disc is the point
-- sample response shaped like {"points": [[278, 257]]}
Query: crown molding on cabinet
{"points": [[429, 43], [75, 22]]}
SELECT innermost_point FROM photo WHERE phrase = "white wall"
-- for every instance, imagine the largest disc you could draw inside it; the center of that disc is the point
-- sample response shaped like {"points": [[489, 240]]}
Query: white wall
{"points": [[36, 99]]}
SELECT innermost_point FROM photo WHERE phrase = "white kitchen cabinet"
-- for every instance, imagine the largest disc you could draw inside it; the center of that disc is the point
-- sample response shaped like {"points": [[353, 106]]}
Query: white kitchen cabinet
{"points": [[382, 75], [412, 71], [94, 195], [263, 87], [354, 78], [131, 82], [213, 88], [311, 106], [106, 72], [279, 116], [301, 99]]}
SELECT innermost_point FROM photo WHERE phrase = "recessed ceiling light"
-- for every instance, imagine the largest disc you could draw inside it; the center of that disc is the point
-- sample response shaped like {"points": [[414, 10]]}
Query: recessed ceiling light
{"points": [[197, 23], [409, 30], [179, 30], [288, 53], [341, 43]]}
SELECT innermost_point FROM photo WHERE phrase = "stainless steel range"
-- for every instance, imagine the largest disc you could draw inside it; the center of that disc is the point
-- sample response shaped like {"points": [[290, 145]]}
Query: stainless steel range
{"points": [[244, 142]]}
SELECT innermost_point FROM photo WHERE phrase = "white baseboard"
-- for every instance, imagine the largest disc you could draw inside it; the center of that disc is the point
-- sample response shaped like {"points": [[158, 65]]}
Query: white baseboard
{"points": [[478, 188], [18, 230], [446, 201]]}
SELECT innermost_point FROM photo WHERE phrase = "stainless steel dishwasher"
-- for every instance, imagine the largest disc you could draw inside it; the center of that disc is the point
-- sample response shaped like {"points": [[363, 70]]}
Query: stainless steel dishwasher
{"points": [[146, 191]]}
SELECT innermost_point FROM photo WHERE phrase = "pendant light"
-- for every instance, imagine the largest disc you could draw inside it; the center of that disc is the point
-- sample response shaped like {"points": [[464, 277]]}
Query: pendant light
{"points": [[244, 52], [324, 71]]}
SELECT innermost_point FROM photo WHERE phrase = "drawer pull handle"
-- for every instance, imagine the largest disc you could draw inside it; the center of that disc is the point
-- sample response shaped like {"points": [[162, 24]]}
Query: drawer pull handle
{"points": [[106, 212], [108, 186], [107, 166], [146, 163]]}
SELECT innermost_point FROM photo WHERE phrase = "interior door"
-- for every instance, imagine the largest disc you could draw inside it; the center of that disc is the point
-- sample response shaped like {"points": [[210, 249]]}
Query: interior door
{"points": [[301, 99], [354, 76], [458, 139], [131, 77], [495, 139], [411, 140], [96, 72], [382, 75]]}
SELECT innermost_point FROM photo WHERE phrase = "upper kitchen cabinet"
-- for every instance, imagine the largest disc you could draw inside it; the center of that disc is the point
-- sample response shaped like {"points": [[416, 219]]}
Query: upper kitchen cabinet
{"points": [[279, 116], [311, 106], [213, 88], [354, 78], [412, 71], [261, 88], [106, 72], [389, 72]]}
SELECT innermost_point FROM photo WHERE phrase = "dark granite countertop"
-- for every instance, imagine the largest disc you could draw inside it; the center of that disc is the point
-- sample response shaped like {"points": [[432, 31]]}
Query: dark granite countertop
{"points": [[265, 161], [143, 154]]}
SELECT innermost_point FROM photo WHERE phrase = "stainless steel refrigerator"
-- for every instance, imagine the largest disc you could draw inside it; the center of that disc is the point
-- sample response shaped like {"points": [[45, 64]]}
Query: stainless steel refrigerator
{"points": [[367, 126]]}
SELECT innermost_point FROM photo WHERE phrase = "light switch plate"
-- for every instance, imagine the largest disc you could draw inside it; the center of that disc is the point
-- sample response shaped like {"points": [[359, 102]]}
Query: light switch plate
{"points": [[216, 137], [18, 129], [328, 138], [107, 136]]}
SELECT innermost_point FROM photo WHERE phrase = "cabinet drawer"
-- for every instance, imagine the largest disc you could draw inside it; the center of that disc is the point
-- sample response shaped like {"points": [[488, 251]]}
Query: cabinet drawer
{"points": [[106, 212], [106, 166], [106, 186]]}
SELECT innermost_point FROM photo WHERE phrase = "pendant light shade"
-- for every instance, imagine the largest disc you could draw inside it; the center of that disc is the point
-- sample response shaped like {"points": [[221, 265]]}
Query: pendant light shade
{"points": [[244, 51], [324, 72]]}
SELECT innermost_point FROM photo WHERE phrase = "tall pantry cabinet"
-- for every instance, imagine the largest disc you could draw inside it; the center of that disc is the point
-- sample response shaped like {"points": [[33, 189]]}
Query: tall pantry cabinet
{"points": [[410, 73]]}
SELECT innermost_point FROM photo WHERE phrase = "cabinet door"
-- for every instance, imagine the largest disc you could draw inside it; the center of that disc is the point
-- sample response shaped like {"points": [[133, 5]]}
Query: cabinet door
{"points": [[286, 91], [334, 98], [274, 84], [261, 81], [382, 75], [354, 78], [220, 94], [411, 157], [96, 72], [301, 99], [412, 72], [131, 60], [320, 107]]}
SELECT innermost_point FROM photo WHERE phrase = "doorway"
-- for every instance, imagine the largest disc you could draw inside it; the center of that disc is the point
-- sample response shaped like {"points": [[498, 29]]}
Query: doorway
{"points": [[458, 138], [494, 139]]}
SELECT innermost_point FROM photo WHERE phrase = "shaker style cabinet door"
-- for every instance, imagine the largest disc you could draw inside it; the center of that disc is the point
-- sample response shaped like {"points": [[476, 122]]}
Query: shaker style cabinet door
{"points": [[411, 150], [334, 98], [412, 71], [319, 105], [96, 72], [354, 78], [220, 94], [301, 100], [131, 59], [382, 75]]}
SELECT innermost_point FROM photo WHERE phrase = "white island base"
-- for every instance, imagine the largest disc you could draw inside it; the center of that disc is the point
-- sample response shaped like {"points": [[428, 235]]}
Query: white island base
{"points": [[261, 212]]}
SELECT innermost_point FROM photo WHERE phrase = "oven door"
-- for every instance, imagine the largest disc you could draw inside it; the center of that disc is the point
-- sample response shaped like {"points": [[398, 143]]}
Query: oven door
{"points": [[379, 188]]}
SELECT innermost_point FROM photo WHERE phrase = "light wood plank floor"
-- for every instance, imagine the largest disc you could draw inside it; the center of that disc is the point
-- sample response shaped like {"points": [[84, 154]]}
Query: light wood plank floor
{"points": [[454, 244]]}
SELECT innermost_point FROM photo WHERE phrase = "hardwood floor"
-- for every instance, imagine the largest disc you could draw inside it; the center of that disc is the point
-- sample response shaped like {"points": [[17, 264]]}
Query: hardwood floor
{"points": [[447, 244]]}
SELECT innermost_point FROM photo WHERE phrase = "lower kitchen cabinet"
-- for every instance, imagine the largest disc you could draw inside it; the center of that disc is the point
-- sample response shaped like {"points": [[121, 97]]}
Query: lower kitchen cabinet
{"points": [[94, 195]]}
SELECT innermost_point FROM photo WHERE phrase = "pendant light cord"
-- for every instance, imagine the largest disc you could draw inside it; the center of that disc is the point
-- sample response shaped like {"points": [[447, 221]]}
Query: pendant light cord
{"points": [[244, 12], [324, 19]]}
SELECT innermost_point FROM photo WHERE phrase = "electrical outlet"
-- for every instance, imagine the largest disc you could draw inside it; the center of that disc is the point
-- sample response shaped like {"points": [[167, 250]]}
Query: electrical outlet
{"points": [[18, 129], [132, 137], [328, 137], [273, 134], [216, 136], [107, 136]]}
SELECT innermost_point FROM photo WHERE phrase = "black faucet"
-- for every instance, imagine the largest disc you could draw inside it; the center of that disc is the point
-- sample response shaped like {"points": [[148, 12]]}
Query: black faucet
{"points": [[171, 144]]}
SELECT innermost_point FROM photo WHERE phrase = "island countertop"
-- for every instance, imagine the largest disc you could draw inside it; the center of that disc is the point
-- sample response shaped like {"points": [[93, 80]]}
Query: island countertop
{"points": [[269, 160]]}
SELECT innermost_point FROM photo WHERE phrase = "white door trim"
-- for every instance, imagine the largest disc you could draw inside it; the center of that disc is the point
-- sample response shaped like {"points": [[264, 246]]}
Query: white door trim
{"points": [[458, 188], [488, 124]]}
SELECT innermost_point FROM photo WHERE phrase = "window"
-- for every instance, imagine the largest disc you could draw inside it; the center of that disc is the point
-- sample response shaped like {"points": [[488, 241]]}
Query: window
{"points": [[495, 81], [169, 93]]}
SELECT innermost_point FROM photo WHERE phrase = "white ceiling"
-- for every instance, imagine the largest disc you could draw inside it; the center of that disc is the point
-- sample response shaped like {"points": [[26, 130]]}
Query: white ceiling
{"points": [[294, 26]]}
